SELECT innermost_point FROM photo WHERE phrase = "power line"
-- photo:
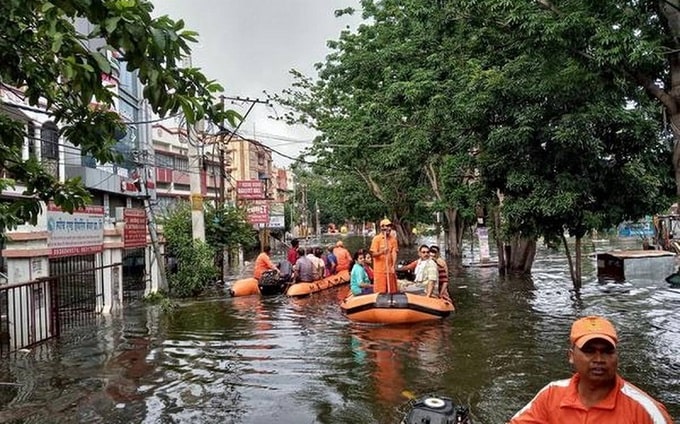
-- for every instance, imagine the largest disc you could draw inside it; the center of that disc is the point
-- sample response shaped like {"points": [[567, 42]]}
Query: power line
{"points": [[45, 112]]}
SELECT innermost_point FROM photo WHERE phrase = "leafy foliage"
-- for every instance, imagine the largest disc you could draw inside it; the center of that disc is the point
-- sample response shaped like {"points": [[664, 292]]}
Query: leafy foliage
{"points": [[435, 104], [226, 227], [45, 59]]}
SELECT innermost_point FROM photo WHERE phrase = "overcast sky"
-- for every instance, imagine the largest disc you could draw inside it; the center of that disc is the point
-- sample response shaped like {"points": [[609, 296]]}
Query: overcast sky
{"points": [[250, 45]]}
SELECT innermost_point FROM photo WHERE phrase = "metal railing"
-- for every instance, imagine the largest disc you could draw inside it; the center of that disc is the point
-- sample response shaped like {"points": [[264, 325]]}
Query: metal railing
{"points": [[36, 311], [28, 314]]}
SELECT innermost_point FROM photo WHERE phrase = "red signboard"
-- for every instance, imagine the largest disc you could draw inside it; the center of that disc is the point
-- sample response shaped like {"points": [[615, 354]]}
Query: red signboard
{"points": [[250, 189], [258, 214], [134, 234]]}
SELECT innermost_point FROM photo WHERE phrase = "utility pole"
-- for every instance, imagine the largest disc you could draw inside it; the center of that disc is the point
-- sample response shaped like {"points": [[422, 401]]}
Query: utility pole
{"points": [[151, 218], [197, 217], [293, 206], [318, 222], [223, 131], [223, 146]]}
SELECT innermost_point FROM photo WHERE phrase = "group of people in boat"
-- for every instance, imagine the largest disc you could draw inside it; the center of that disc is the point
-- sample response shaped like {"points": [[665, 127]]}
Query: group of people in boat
{"points": [[372, 270], [375, 269], [306, 264]]}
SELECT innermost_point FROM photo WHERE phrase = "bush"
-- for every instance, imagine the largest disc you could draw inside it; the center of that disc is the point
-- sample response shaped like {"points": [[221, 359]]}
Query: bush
{"points": [[226, 228], [195, 269]]}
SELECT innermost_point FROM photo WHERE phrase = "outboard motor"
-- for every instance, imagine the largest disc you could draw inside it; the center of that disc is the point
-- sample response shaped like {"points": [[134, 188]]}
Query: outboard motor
{"points": [[434, 409], [272, 283]]}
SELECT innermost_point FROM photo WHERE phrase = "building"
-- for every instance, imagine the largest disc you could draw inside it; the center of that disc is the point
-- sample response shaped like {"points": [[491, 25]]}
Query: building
{"points": [[241, 159]]}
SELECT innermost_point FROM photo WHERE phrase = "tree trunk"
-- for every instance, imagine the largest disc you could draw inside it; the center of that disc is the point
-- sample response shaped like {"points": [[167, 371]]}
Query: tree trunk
{"points": [[519, 255], [574, 262], [454, 233]]}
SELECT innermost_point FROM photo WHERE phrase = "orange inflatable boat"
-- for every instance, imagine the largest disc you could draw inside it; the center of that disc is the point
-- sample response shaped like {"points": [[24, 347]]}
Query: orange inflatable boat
{"points": [[270, 284], [305, 289], [395, 308]]}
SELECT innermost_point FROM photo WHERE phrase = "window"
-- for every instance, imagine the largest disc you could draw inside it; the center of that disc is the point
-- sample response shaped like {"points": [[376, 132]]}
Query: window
{"points": [[30, 135], [181, 164], [163, 161], [49, 135]]}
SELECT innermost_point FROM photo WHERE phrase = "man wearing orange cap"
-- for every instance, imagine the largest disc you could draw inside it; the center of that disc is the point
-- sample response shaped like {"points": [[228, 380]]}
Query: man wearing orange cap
{"points": [[384, 249], [595, 393]]}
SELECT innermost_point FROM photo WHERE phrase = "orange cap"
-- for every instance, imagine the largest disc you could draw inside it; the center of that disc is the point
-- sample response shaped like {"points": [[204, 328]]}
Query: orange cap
{"points": [[585, 329], [340, 243], [385, 222]]}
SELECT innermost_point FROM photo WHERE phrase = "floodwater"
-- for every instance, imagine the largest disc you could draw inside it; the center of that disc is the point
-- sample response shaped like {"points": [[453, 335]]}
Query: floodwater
{"points": [[252, 360]]}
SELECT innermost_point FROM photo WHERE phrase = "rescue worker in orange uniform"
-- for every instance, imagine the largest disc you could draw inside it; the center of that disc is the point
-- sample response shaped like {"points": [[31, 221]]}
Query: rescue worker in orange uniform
{"points": [[595, 393], [263, 263], [384, 250]]}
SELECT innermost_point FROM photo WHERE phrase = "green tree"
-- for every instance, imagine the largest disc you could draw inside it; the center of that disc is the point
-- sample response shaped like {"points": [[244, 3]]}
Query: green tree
{"points": [[635, 41], [226, 228], [459, 115], [49, 62], [383, 106]]}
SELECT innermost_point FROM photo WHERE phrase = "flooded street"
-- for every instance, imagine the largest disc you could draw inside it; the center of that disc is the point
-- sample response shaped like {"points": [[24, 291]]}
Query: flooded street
{"points": [[252, 360]]}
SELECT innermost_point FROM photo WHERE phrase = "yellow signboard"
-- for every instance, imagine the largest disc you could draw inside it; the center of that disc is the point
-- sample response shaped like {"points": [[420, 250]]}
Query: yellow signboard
{"points": [[196, 202]]}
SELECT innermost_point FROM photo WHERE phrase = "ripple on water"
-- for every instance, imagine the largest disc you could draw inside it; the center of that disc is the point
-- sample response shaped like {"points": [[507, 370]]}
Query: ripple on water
{"points": [[252, 360]]}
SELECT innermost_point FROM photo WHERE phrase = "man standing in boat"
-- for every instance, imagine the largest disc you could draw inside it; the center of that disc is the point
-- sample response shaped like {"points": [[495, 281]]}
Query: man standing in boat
{"points": [[384, 250]]}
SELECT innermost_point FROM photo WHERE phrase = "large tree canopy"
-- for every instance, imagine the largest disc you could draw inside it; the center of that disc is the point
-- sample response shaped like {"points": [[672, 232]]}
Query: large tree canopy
{"points": [[466, 104], [58, 69]]}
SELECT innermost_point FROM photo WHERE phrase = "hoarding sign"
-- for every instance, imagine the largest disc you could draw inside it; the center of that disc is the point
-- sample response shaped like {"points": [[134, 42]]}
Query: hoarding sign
{"points": [[258, 214], [249, 190], [277, 221], [134, 234], [80, 233]]}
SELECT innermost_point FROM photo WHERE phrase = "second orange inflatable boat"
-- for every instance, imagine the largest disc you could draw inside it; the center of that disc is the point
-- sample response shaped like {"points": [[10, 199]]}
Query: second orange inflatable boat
{"points": [[305, 289]]}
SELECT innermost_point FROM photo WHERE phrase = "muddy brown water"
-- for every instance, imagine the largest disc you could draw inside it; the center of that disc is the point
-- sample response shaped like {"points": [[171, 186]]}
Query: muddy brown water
{"points": [[281, 360]]}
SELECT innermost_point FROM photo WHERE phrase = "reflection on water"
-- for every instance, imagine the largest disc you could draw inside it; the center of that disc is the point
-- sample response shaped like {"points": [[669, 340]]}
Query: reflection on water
{"points": [[252, 360]]}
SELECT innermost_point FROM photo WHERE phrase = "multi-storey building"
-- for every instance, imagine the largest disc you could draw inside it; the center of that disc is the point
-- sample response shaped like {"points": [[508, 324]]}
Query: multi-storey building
{"points": [[221, 162]]}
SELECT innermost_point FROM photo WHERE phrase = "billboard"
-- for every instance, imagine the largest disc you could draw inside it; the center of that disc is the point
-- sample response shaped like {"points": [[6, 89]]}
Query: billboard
{"points": [[258, 214], [249, 190], [277, 221], [79, 233]]}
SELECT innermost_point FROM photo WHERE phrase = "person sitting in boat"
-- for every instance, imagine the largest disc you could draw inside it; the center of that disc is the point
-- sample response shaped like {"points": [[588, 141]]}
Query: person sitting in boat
{"points": [[443, 269], [368, 265], [319, 265], [292, 255], [427, 275], [303, 268], [343, 257], [263, 263], [359, 282], [331, 262]]}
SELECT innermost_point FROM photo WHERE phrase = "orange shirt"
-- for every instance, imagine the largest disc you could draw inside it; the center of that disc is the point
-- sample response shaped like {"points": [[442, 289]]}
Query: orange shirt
{"points": [[262, 264], [343, 257], [382, 262], [559, 402]]}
